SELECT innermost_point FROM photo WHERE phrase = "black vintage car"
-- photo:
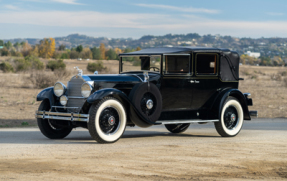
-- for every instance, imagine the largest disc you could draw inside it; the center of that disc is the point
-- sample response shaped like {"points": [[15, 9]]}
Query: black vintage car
{"points": [[172, 86]]}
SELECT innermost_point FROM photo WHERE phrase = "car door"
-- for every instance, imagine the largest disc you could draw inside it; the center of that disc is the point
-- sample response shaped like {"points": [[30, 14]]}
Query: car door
{"points": [[205, 80], [175, 88]]}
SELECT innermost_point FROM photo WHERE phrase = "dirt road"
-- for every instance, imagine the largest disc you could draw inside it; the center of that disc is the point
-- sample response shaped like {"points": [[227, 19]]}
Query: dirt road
{"points": [[259, 152]]}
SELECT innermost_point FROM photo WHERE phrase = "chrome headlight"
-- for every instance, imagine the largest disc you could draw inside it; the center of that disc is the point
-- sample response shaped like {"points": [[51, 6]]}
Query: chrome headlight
{"points": [[64, 100], [59, 89], [86, 89]]}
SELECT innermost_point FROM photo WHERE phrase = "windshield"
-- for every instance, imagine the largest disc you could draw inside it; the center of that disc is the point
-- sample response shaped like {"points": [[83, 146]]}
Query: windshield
{"points": [[141, 63]]}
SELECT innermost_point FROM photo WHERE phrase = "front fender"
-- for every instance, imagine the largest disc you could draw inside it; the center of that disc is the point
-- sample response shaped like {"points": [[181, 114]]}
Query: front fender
{"points": [[47, 94], [134, 114], [219, 102]]}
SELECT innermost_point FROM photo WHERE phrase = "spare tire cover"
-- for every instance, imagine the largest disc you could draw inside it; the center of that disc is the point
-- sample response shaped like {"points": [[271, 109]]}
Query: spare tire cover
{"points": [[147, 99]]}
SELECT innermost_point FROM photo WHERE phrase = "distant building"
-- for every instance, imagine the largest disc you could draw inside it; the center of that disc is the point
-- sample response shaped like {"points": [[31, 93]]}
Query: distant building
{"points": [[253, 54]]}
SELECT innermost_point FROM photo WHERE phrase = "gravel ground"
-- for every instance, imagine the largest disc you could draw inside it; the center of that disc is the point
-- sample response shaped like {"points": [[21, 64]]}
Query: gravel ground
{"points": [[257, 153]]}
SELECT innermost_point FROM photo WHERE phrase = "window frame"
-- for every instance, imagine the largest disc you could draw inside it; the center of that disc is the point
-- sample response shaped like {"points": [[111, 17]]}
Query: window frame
{"points": [[190, 73], [120, 63], [206, 74]]}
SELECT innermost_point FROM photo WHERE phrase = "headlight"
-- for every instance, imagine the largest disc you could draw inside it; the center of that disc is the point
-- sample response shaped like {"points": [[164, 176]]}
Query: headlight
{"points": [[86, 90], [59, 89], [64, 100]]}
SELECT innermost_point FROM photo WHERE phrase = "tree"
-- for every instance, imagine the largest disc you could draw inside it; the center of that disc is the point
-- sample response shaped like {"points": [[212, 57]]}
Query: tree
{"points": [[26, 48], [103, 51], [138, 49], [8, 45], [47, 47], [35, 51], [74, 54], [96, 53], [62, 47], [1, 43], [79, 48], [111, 55], [118, 50], [86, 53]]}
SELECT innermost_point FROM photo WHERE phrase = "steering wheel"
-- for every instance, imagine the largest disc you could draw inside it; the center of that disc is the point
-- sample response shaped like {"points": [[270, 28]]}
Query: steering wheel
{"points": [[154, 68]]}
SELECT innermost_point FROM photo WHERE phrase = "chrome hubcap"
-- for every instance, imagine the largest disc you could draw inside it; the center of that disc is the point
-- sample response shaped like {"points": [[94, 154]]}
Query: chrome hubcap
{"points": [[149, 104], [233, 117], [111, 120]]}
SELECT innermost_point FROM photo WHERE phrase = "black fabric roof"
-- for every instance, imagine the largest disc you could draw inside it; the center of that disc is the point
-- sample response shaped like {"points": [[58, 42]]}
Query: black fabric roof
{"points": [[172, 50]]}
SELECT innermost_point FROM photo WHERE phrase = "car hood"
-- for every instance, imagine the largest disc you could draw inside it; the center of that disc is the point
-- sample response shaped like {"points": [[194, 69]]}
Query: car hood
{"points": [[113, 78]]}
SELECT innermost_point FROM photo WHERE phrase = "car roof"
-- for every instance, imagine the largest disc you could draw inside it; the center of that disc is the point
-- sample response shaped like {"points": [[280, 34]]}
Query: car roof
{"points": [[173, 50]]}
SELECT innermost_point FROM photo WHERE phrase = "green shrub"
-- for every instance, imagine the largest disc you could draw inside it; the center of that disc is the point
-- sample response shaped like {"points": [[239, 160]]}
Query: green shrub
{"points": [[35, 62], [6, 67], [92, 67], [56, 64], [64, 56], [22, 65]]}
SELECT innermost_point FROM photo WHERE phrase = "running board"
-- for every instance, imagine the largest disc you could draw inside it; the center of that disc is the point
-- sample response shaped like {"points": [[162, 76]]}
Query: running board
{"points": [[185, 121]]}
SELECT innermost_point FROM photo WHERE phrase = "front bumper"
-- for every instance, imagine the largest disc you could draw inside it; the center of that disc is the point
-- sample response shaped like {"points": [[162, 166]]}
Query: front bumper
{"points": [[62, 116]]}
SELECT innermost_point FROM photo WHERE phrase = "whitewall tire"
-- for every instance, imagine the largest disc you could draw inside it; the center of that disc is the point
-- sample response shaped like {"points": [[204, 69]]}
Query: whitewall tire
{"points": [[107, 121], [231, 118]]}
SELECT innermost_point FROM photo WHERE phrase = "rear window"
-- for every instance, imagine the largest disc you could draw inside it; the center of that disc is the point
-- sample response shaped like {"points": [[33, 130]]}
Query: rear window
{"points": [[206, 64], [176, 64]]}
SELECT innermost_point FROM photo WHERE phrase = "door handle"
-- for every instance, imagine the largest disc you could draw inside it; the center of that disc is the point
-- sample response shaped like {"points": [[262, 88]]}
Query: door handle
{"points": [[194, 81]]}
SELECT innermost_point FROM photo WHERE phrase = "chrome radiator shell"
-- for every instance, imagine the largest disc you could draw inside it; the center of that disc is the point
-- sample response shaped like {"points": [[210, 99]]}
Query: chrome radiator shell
{"points": [[74, 94]]}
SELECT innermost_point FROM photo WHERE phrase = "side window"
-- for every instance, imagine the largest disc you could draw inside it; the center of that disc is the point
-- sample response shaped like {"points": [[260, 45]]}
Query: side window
{"points": [[206, 64], [176, 64]]}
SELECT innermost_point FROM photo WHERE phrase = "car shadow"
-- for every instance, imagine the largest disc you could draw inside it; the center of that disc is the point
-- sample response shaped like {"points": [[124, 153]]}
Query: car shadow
{"points": [[16, 136]]}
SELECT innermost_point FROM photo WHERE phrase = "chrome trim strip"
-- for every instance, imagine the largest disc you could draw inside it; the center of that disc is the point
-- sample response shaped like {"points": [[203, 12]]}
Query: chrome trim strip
{"points": [[64, 107], [137, 77], [185, 121], [75, 97], [62, 116]]}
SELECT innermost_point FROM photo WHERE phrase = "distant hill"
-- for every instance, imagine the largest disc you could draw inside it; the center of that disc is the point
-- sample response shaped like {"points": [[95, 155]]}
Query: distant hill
{"points": [[266, 46]]}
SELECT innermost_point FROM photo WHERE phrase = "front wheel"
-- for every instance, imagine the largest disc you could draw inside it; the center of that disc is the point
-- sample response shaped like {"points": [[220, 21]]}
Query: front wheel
{"points": [[231, 118], [107, 120], [47, 127]]}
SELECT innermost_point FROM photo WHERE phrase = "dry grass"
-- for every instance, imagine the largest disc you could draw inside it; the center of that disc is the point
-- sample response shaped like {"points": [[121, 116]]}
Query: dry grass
{"points": [[268, 86]]}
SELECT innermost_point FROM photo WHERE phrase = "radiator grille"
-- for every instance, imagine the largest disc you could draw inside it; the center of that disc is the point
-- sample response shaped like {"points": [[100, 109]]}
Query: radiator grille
{"points": [[74, 90], [74, 87]]}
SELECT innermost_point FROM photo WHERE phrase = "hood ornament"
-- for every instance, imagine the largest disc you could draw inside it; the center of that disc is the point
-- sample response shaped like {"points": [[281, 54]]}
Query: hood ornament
{"points": [[146, 77], [80, 71]]}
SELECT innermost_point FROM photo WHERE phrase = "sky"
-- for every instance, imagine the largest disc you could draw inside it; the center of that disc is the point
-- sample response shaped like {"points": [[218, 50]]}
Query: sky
{"points": [[134, 19]]}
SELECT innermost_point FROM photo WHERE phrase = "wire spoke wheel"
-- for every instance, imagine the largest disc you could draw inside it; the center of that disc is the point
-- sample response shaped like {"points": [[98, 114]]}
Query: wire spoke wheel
{"points": [[230, 117], [109, 120]]}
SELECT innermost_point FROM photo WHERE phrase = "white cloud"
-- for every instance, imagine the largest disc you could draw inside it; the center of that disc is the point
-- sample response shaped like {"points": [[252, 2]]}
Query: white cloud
{"points": [[275, 14], [142, 23], [67, 1], [11, 7], [180, 9]]}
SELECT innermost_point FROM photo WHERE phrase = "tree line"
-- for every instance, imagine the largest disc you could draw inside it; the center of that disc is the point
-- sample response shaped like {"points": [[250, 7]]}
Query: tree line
{"points": [[47, 49]]}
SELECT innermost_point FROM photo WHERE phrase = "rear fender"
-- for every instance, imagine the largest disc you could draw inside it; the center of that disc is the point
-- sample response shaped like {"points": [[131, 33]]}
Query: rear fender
{"points": [[133, 113], [219, 103], [47, 93]]}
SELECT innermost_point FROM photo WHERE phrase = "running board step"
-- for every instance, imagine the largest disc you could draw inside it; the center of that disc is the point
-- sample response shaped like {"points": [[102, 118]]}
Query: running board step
{"points": [[185, 121]]}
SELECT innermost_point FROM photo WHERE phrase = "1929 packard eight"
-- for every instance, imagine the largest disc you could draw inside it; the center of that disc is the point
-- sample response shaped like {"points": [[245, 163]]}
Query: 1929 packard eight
{"points": [[173, 86]]}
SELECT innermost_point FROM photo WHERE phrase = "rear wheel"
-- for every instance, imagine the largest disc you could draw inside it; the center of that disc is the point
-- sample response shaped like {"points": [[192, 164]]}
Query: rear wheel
{"points": [[231, 118], [49, 129], [107, 120], [176, 128]]}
